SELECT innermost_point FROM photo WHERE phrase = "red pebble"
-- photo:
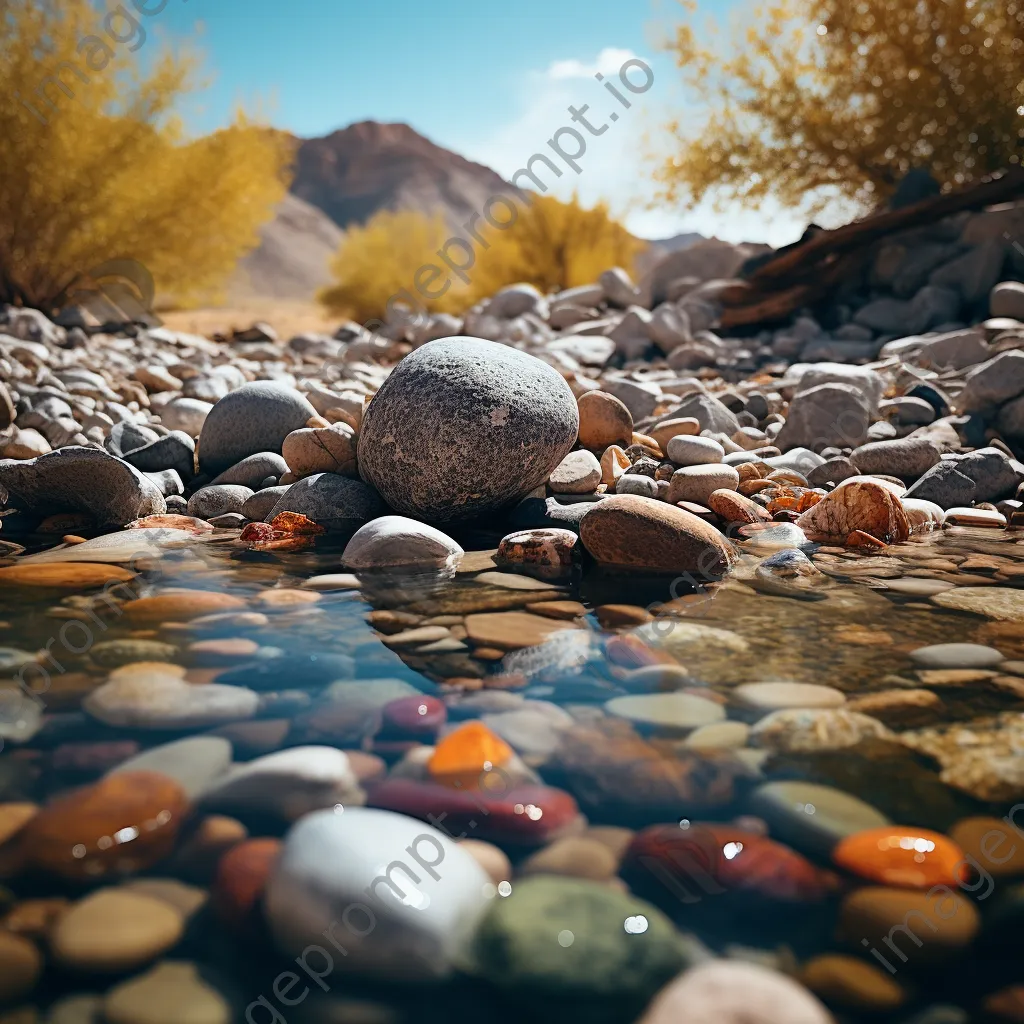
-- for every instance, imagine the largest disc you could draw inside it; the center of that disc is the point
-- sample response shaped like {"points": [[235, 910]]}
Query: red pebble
{"points": [[417, 717], [238, 885], [519, 816], [703, 860]]}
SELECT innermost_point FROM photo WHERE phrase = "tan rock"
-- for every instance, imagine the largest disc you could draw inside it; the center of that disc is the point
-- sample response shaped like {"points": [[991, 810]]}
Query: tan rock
{"points": [[735, 508], [863, 505], [668, 429], [512, 630], [614, 464], [170, 993], [179, 606], [329, 449], [604, 420], [575, 857], [22, 967], [635, 532], [64, 575], [13, 817], [851, 983], [115, 930]]}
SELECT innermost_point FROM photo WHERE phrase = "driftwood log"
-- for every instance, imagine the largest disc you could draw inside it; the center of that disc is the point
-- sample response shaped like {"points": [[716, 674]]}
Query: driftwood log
{"points": [[802, 274]]}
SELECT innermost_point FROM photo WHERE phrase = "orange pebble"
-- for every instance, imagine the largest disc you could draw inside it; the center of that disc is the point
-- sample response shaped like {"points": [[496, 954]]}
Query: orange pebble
{"points": [[898, 855], [464, 755]]}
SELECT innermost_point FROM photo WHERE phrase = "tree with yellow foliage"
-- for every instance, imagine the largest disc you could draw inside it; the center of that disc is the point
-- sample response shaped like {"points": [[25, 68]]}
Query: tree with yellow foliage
{"points": [[821, 99], [377, 263], [554, 245], [95, 166]]}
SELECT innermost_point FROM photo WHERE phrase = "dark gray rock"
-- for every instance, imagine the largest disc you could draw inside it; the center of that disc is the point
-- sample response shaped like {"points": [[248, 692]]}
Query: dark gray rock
{"points": [[75, 479], [537, 513], [993, 382], [710, 413], [259, 505], [252, 471], [462, 427], [945, 485], [639, 399], [824, 415], [217, 500], [908, 458], [334, 501], [1007, 299], [127, 437], [1011, 419], [975, 273], [255, 418], [175, 451], [995, 475], [835, 471]]}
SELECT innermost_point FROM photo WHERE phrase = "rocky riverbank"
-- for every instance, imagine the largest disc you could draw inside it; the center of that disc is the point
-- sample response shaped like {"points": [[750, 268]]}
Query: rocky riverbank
{"points": [[569, 660]]}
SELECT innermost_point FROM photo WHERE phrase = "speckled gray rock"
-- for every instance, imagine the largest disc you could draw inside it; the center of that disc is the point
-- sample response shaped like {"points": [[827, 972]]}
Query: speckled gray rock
{"points": [[907, 458], [334, 501], [253, 470], [945, 485], [255, 418], [464, 426], [258, 507], [826, 415], [75, 479], [174, 451], [536, 513], [217, 499], [634, 483]]}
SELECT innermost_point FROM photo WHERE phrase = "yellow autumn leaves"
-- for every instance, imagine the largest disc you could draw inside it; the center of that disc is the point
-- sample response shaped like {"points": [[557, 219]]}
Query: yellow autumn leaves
{"points": [[94, 165], [552, 245], [812, 99]]}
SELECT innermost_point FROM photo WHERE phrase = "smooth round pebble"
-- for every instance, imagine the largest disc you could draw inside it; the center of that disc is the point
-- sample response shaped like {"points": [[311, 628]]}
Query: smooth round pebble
{"points": [[676, 711], [956, 656], [774, 696]]}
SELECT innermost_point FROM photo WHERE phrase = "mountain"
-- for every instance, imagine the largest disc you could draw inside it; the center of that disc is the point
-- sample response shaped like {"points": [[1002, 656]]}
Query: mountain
{"points": [[353, 173], [345, 178], [293, 256]]}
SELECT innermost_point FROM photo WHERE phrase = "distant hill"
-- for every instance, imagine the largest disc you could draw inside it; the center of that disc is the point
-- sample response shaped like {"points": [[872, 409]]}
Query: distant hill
{"points": [[293, 256], [353, 173], [344, 179]]}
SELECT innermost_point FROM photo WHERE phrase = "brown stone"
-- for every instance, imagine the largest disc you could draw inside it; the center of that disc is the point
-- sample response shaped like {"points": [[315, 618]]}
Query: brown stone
{"points": [[667, 429], [604, 420], [22, 967], [179, 606], [63, 575], [614, 616], [123, 824], [944, 921], [575, 857], [14, 817], [327, 449], [511, 630], [34, 919], [735, 508], [858, 505], [899, 708], [556, 610], [630, 531], [853, 984], [241, 878], [993, 843]]}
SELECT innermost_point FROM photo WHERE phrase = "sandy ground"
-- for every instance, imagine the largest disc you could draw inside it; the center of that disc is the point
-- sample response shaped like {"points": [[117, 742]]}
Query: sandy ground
{"points": [[286, 317]]}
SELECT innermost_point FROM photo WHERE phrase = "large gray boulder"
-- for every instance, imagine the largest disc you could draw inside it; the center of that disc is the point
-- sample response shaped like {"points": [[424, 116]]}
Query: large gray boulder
{"points": [[75, 479], [827, 415], [464, 426], [255, 418]]}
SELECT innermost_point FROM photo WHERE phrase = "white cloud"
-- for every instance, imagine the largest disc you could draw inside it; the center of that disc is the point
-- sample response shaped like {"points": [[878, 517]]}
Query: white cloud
{"points": [[608, 62], [618, 163]]}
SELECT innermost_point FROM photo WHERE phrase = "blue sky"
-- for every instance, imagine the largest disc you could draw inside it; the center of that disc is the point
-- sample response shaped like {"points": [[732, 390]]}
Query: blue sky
{"points": [[490, 81]]}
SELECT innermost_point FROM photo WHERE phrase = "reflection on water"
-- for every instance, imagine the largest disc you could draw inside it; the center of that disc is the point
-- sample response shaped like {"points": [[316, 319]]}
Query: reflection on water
{"points": [[538, 661]]}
